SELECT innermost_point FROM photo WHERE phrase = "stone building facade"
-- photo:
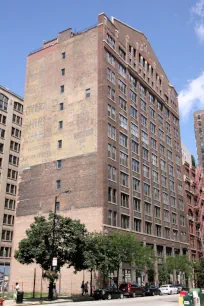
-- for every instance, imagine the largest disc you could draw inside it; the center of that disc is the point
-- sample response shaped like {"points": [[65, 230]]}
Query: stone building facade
{"points": [[199, 136], [11, 116], [101, 119]]}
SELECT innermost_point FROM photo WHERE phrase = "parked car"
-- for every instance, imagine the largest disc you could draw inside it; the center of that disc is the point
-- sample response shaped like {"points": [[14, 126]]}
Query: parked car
{"points": [[131, 290], [152, 290], [168, 289], [108, 294], [179, 287]]}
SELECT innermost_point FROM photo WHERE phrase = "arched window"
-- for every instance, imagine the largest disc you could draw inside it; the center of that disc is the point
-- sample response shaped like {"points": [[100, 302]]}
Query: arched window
{"points": [[3, 102]]}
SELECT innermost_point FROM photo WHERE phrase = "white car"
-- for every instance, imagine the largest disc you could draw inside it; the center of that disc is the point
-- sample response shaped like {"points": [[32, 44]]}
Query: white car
{"points": [[168, 289]]}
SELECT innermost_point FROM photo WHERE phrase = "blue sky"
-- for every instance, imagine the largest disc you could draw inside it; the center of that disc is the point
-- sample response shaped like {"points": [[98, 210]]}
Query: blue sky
{"points": [[174, 28]]}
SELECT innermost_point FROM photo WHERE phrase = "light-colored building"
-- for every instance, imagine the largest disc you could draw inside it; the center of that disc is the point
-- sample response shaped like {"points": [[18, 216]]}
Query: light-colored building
{"points": [[11, 116], [102, 120], [186, 155]]}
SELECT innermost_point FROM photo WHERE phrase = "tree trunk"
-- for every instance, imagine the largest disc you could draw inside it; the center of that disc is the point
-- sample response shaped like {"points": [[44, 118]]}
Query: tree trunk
{"points": [[91, 283], [50, 294], [118, 270]]}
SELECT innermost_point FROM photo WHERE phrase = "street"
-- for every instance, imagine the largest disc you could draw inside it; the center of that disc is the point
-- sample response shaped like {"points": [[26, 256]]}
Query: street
{"points": [[166, 300]]}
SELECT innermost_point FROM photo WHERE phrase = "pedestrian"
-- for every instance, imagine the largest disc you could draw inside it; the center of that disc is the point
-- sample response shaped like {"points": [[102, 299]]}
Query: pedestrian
{"points": [[82, 288], [17, 289], [54, 290], [86, 287]]}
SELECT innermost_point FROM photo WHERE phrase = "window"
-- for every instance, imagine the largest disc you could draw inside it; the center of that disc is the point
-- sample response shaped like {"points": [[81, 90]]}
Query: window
{"points": [[16, 119], [152, 128], [59, 164], [123, 122], [110, 76], [4, 102], [152, 113], [135, 166], [124, 200], [62, 88], [156, 194], [133, 112], [112, 195], [111, 152], [153, 143], [171, 170], [110, 41], [123, 159], [1, 147], [159, 106], [151, 99], [61, 106], [166, 111], [174, 218], [123, 140], [162, 149], [158, 230], [145, 153], [88, 93], [161, 134], [14, 132], [168, 127], [133, 81], [7, 235], [135, 147], [122, 70], [122, 87], [122, 53], [144, 137], [144, 121], [176, 146], [182, 220], [136, 204], [142, 92], [176, 133], [167, 233], [155, 176], [164, 181], [180, 189], [57, 206], [136, 184], [3, 119], [163, 165], [171, 184], [146, 190], [160, 119], [111, 112], [134, 129], [123, 104], [12, 174], [5, 252], [148, 228], [111, 93], [63, 71], [168, 140], [137, 225], [173, 202], [11, 189], [169, 154], [125, 221], [165, 198], [59, 144], [14, 160], [181, 205], [145, 171], [110, 58], [111, 131], [154, 160], [111, 173], [110, 217], [143, 105], [63, 55], [133, 96], [60, 124], [17, 106], [123, 179], [166, 215], [58, 184]]}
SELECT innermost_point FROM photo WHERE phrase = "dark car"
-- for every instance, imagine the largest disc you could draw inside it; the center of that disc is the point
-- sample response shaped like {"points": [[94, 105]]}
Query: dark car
{"points": [[152, 290], [132, 290], [108, 294]]}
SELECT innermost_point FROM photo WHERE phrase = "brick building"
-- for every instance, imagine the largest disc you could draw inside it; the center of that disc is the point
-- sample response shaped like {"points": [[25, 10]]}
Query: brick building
{"points": [[199, 128], [11, 116], [194, 199], [101, 119]]}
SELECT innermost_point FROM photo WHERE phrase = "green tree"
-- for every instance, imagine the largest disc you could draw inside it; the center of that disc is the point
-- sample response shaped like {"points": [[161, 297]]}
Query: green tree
{"points": [[200, 273], [180, 263], [41, 244], [163, 273]]}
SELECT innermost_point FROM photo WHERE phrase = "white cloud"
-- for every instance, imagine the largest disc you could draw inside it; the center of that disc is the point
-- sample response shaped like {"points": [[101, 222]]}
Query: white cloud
{"points": [[191, 98], [198, 14]]}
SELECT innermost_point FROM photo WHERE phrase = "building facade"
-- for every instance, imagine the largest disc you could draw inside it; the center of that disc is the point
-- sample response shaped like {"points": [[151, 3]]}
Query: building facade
{"points": [[11, 116], [194, 199], [101, 119], [199, 136]]}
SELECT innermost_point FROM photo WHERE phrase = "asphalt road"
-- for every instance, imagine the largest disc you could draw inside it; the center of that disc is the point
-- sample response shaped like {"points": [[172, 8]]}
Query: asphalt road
{"points": [[164, 300]]}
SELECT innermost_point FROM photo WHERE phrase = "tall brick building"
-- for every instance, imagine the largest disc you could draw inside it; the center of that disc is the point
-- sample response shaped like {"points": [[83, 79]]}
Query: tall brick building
{"points": [[199, 128], [11, 116], [194, 198], [101, 119]]}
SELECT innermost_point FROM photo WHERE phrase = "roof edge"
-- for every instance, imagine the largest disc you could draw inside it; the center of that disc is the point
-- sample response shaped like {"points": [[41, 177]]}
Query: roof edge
{"points": [[113, 18], [11, 92]]}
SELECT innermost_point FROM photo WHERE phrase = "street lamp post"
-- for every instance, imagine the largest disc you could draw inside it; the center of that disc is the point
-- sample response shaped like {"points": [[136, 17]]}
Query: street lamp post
{"points": [[53, 259]]}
